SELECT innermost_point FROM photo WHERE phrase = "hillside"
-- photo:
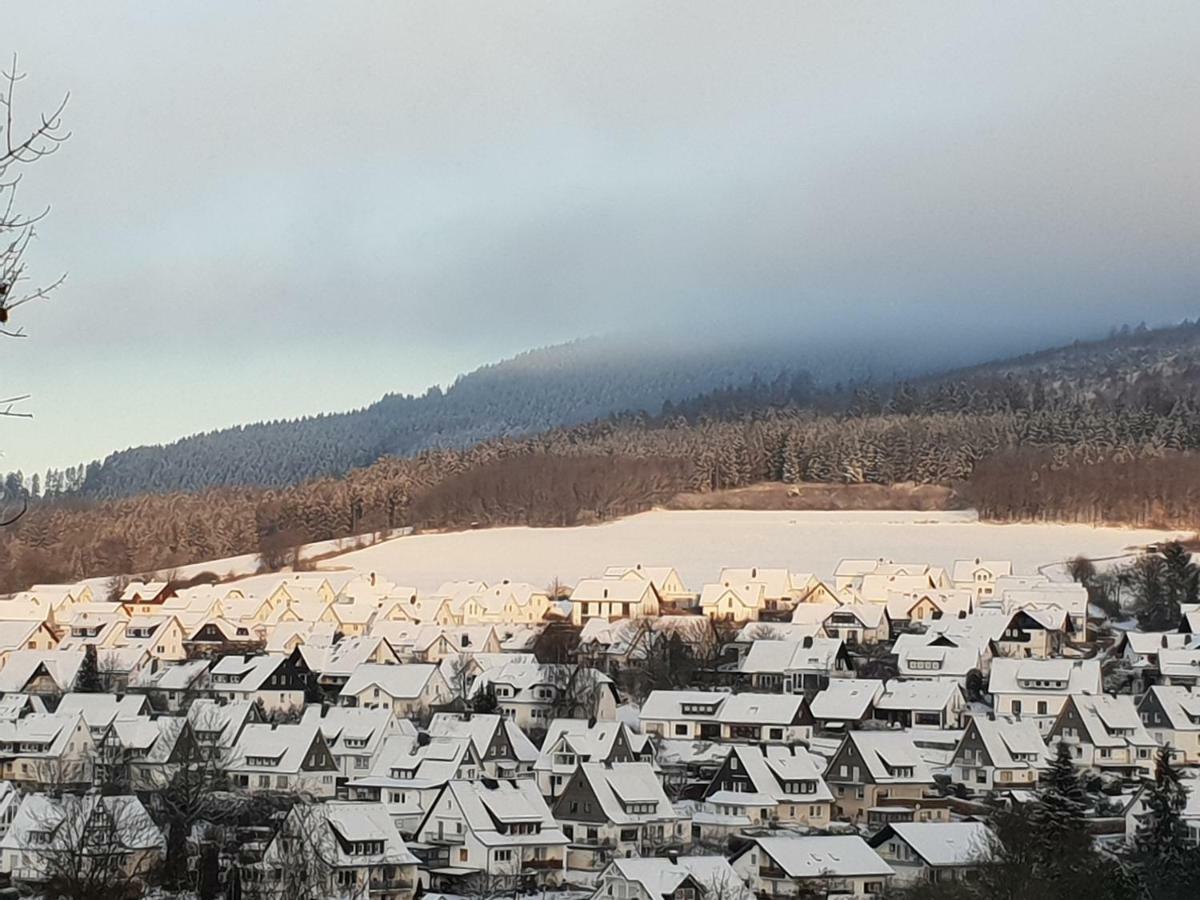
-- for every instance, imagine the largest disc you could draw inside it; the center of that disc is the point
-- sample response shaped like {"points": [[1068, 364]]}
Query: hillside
{"points": [[1011, 445], [552, 387]]}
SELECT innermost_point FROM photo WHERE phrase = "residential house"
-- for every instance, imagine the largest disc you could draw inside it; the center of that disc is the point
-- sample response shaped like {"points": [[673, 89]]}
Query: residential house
{"points": [[610, 810], [719, 715], [1038, 688], [355, 736], [410, 773], [772, 785], [845, 703], [841, 865], [1138, 810], [504, 749], [291, 758], [781, 590], [939, 657], [24, 635], [1105, 734], [1171, 713], [613, 598], [411, 690], [569, 742], [172, 688], [333, 664], [920, 607], [82, 832], [796, 667], [533, 694], [999, 754], [979, 575], [279, 682], [500, 831], [881, 769], [360, 850], [671, 590], [854, 623], [1179, 667], [921, 704], [934, 852], [40, 671], [681, 878], [733, 602], [47, 750]]}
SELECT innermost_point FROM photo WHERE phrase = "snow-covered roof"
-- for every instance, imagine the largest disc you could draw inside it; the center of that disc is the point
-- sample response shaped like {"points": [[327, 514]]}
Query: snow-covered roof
{"points": [[941, 844], [406, 681], [1060, 676], [811, 654], [846, 699], [824, 856]]}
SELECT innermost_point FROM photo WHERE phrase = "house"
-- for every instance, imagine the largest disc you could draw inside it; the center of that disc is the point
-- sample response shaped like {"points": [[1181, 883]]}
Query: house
{"points": [[532, 694], [355, 736], [920, 607], [24, 635], [999, 754], [409, 774], [780, 589], [681, 878], [775, 785], [611, 646], [666, 580], [873, 769], [846, 702], [1105, 734], [1137, 810], [842, 865], [732, 602], [921, 704], [507, 602], [82, 832], [719, 715], [411, 690], [609, 810], [160, 636], [939, 657], [171, 688], [569, 742], [613, 598], [278, 682], [979, 575], [40, 671], [1038, 688], [143, 596], [935, 852], [335, 663], [145, 753], [99, 711], [360, 850], [500, 831], [854, 623], [1070, 597], [795, 667], [291, 758], [219, 725], [47, 750], [1179, 667], [1171, 714], [504, 749]]}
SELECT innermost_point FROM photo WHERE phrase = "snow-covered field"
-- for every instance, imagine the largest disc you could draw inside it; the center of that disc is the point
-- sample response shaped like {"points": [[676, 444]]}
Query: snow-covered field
{"points": [[699, 543]]}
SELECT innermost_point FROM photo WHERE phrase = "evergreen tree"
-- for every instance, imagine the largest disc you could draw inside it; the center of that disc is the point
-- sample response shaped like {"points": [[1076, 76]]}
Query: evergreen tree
{"points": [[87, 680], [1163, 862], [1062, 845]]}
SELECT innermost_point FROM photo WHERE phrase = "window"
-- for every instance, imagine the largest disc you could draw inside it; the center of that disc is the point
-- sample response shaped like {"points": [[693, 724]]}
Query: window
{"points": [[681, 728], [1016, 707], [1042, 708], [503, 855]]}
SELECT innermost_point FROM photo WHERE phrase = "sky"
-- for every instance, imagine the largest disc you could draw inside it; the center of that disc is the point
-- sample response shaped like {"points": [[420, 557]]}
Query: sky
{"points": [[273, 209]]}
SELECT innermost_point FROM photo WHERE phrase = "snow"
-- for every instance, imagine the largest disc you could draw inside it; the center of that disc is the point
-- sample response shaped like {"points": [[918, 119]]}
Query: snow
{"points": [[699, 543]]}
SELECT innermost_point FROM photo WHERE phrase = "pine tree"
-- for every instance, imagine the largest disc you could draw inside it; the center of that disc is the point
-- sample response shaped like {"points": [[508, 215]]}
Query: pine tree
{"points": [[1059, 830], [87, 680], [1162, 860]]}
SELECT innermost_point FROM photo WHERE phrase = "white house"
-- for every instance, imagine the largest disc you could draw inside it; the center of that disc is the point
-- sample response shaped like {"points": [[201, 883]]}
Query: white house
{"points": [[1037, 689], [844, 865]]}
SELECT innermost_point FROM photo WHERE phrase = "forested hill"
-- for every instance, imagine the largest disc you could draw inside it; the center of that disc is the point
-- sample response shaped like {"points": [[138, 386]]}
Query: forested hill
{"points": [[552, 387]]}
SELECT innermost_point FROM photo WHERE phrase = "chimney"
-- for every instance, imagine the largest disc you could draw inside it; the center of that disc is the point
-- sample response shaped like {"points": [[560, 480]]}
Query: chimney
{"points": [[672, 857], [372, 579]]}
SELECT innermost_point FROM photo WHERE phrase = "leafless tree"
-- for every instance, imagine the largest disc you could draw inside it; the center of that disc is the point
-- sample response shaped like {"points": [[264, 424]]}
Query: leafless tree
{"points": [[300, 863], [88, 847]]}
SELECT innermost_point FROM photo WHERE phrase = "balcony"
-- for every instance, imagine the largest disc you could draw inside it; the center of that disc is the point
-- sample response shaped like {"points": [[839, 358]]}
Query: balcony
{"points": [[541, 865]]}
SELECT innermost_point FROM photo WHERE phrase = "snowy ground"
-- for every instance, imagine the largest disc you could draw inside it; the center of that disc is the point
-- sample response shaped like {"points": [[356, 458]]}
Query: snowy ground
{"points": [[699, 543]]}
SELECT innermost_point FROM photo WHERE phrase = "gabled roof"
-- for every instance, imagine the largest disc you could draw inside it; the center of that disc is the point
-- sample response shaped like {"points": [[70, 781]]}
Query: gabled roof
{"points": [[761, 709], [846, 699], [927, 696], [285, 745], [486, 803], [807, 655], [1179, 663], [101, 710], [60, 665], [661, 877], [611, 590], [481, 730], [768, 770], [618, 785], [1111, 720], [941, 844], [399, 682], [1181, 706], [252, 671], [823, 856], [964, 570], [1011, 743], [351, 825], [588, 740], [669, 704], [890, 755], [776, 583], [364, 729], [432, 764], [51, 732], [1010, 676], [134, 828]]}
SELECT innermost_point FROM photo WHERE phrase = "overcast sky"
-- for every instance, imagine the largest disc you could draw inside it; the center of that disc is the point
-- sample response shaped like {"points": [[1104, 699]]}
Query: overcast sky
{"points": [[271, 209]]}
